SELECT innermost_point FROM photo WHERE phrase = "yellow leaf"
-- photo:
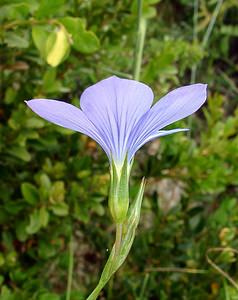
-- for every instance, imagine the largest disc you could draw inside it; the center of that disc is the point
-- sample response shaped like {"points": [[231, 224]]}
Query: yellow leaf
{"points": [[59, 48]]}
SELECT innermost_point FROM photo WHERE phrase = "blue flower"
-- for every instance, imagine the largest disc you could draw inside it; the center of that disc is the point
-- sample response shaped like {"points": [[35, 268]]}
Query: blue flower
{"points": [[117, 114]]}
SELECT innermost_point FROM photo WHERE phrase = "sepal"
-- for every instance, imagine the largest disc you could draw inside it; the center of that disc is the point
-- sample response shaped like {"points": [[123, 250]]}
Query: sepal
{"points": [[119, 191]]}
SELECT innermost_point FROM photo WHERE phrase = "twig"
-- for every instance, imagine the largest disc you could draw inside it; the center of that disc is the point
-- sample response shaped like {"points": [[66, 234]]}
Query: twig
{"points": [[32, 21], [176, 270], [218, 269]]}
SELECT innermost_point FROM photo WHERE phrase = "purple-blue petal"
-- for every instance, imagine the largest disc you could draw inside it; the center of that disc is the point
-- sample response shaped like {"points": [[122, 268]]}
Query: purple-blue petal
{"points": [[67, 116], [115, 106], [178, 104], [175, 106], [160, 133]]}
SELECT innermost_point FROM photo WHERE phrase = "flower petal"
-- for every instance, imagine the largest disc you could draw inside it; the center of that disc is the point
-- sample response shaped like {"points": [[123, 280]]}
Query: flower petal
{"points": [[66, 115], [115, 106], [160, 133], [175, 106], [178, 104]]}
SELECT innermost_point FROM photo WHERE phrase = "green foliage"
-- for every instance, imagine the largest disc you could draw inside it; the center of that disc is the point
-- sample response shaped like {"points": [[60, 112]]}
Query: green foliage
{"points": [[82, 40], [52, 37], [54, 182]]}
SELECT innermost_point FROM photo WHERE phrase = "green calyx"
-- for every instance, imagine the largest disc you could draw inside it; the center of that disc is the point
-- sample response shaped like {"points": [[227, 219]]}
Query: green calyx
{"points": [[119, 191]]}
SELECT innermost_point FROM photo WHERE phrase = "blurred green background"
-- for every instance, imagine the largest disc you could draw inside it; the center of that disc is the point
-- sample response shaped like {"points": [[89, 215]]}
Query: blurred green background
{"points": [[54, 182]]}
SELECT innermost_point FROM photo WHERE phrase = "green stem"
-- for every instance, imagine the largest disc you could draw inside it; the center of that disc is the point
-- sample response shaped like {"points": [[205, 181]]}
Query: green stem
{"points": [[110, 266], [207, 35], [145, 282], [70, 267], [204, 43], [194, 66], [195, 21], [110, 289], [118, 238], [95, 293], [227, 295], [141, 32], [211, 24]]}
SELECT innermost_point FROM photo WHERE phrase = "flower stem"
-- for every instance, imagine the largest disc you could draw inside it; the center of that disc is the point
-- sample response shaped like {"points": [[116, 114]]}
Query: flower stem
{"points": [[118, 238], [141, 32], [70, 268], [110, 289], [95, 292], [112, 261]]}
